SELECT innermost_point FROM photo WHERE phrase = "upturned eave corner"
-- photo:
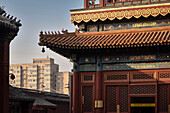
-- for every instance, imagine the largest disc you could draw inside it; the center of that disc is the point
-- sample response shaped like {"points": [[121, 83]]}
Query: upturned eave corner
{"points": [[9, 26]]}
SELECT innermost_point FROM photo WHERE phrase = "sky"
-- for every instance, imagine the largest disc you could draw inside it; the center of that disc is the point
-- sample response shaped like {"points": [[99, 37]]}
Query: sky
{"points": [[37, 15]]}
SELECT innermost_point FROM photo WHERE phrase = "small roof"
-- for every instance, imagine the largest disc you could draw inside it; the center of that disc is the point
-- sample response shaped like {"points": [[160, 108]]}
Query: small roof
{"points": [[106, 39], [40, 102], [18, 95], [50, 96]]}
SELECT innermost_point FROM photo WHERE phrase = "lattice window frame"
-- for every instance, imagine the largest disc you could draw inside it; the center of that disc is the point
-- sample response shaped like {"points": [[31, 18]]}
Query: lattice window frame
{"points": [[165, 78], [124, 102], [139, 89], [83, 98], [85, 75], [132, 74], [116, 74], [107, 102], [163, 93]]}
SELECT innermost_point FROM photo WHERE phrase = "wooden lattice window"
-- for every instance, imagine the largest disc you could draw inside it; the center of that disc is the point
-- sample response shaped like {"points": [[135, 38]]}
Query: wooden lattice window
{"points": [[87, 94], [142, 89], [116, 77], [123, 98], [164, 75], [87, 77], [143, 76], [111, 105], [163, 98]]}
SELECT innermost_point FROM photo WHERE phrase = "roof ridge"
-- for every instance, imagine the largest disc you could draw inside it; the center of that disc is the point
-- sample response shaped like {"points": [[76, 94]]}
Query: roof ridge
{"points": [[54, 33]]}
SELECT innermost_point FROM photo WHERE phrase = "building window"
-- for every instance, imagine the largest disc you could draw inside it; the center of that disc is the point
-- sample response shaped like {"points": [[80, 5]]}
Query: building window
{"points": [[47, 75], [47, 65], [47, 79]]}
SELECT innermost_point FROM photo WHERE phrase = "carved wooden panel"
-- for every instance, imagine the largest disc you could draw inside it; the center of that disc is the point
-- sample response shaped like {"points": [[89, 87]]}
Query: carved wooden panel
{"points": [[163, 98], [116, 77], [123, 98], [111, 99], [164, 75], [142, 89], [88, 77], [87, 94], [143, 76]]}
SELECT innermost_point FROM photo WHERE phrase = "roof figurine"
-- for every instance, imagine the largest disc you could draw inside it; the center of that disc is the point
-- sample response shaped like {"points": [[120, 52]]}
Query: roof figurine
{"points": [[65, 31]]}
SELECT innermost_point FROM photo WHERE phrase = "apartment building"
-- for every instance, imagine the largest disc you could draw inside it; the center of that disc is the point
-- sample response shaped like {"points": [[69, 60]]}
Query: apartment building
{"points": [[39, 75], [63, 82]]}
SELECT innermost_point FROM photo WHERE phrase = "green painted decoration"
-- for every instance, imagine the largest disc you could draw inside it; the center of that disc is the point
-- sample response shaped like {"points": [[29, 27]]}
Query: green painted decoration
{"points": [[87, 67], [126, 66], [125, 26], [131, 59]]}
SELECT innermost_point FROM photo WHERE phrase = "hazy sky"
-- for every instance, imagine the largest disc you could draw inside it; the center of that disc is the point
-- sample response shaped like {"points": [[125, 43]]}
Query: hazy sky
{"points": [[37, 15]]}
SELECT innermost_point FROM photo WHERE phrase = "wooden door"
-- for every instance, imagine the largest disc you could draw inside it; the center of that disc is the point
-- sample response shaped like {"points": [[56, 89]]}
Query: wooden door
{"points": [[87, 99], [116, 99]]}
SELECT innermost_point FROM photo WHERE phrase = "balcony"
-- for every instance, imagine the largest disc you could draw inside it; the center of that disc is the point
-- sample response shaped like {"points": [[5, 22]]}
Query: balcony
{"points": [[118, 3]]}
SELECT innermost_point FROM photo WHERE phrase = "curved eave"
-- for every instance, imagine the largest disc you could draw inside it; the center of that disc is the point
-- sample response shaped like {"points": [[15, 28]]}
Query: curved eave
{"points": [[65, 45]]}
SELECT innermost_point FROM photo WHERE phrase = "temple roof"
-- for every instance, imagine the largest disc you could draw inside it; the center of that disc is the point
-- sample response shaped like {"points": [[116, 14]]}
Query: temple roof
{"points": [[106, 39]]}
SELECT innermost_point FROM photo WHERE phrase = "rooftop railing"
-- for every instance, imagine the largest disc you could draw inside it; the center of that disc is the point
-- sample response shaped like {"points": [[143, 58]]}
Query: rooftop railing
{"points": [[108, 3]]}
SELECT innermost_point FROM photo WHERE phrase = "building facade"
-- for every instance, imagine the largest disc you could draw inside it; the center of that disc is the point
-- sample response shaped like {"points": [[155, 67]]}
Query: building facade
{"points": [[63, 82], [121, 56], [38, 75]]}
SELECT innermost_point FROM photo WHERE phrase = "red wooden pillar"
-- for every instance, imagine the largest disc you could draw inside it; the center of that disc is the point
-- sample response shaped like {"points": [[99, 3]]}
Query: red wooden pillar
{"points": [[156, 96], [99, 86], [101, 3], [86, 3], [76, 88], [98, 89], [71, 94], [8, 30], [129, 98], [4, 75], [168, 97]]}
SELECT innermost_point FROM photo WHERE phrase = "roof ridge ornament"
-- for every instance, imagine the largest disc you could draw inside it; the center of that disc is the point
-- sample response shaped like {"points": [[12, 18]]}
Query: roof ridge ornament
{"points": [[77, 31], [58, 33], [64, 31], [2, 10]]}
